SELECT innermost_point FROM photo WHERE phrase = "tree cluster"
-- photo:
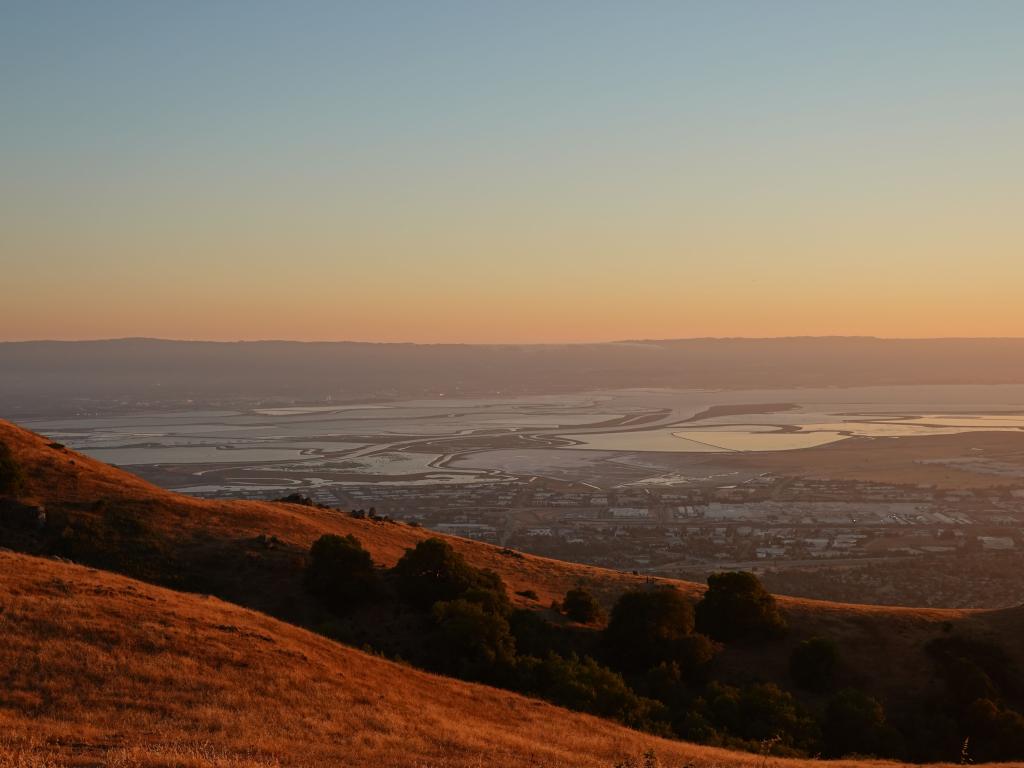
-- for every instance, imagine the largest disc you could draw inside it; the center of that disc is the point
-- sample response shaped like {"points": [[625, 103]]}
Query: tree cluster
{"points": [[653, 665], [12, 477]]}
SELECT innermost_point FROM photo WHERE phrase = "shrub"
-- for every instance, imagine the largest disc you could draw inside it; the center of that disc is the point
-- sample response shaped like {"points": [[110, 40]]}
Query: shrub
{"points": [[489, 594], [15, 516], [975, 669], [12, 477], [994, 732], [340, 572], [585, 685], [666, 683], [433, 572], [854, 724], [759, 714], [693, 653], [474, 641], [116, 537], [297, 498], [814, 663], [982, 684], [767, 712], [579, 605], [647, 628], [536, 636], [124, 522], [737, 607]]}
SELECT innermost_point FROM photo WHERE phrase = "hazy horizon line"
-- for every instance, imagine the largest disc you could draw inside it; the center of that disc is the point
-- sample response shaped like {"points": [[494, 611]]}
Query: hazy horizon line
{"points": [[807, 337]]}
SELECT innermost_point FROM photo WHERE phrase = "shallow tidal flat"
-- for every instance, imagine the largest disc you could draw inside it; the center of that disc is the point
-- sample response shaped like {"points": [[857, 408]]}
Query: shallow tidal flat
{"points": [[919, 433]]}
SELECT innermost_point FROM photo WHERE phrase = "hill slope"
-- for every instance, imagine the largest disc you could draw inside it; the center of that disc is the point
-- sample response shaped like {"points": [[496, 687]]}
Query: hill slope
{"points": [[253, 554], [100, 669]]}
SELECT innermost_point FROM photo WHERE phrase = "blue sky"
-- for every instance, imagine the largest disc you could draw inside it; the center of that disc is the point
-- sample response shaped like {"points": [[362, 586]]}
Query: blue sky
{"points": [[454, 156]]}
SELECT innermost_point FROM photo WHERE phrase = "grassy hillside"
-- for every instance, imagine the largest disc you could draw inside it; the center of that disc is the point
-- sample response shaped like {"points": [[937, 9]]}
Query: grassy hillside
{"points": [[100, 669], [254, 553]]}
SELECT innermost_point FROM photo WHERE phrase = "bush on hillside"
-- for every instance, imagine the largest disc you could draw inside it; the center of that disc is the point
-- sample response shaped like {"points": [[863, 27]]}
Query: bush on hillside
{"points": [[433, 571], [651, 627], [758, 714], [587, 686], [973, 668], [666, 683], [737, 607], [536, 636], [993, 732], [474, 642], [297, 498], [115, 536], [125, 522], [982, 686], [855, 724], [489, 594], [814, 663], [340, 572], [12, 477], [579, 605]]}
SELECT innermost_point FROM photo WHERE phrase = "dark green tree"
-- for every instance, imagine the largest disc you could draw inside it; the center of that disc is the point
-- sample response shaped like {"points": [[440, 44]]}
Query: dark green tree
{"points": [[585, 685], [757, 714], [650, 627], [664, 682], [814, 663], [854, 724], [475, 642], [994, 732], [737, 607], [12, 477], [433, 571], [340, 572], [579, 605], [489, 593]]}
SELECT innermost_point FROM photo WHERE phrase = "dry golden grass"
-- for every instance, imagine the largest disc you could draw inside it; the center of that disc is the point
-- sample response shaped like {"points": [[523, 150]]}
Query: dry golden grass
{"points": [[59, 476], [101, 670], [884, 644], [883, 640]]}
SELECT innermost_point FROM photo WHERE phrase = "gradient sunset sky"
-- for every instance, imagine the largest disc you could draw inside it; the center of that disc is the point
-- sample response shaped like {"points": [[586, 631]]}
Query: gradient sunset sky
{"points": [[511, 171]]}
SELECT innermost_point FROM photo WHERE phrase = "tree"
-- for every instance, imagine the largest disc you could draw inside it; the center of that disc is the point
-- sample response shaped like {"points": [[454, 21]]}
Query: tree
{"points": [[737, 607], [854, 724], [665, 683], [490, 594], [433, 572], [647, 628], [340, 572], [759, 713], [814, 663], [995, 733], [579, 605], [587, 686], [12, 478], [475, 642], [975, 669]]}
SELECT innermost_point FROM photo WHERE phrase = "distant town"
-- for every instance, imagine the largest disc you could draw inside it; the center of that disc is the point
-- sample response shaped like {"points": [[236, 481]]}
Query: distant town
{"points": [[881, 495], [839, 540]]}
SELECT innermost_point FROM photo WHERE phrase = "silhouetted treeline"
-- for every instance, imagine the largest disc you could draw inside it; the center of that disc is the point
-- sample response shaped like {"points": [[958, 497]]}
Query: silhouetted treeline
{"points": [[652, 665]]}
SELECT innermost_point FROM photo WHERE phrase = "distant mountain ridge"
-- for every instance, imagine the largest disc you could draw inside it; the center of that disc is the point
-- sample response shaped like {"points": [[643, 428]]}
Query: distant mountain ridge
{"points": [[36, 374]]}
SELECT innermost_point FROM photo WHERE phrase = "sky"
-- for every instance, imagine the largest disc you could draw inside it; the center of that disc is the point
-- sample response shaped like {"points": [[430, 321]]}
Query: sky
{"points": [[509, 172]]}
